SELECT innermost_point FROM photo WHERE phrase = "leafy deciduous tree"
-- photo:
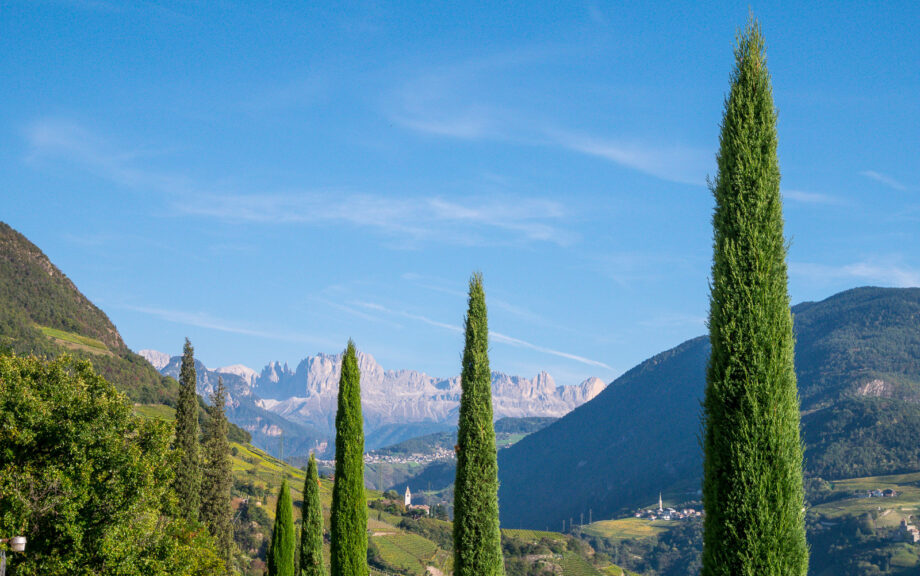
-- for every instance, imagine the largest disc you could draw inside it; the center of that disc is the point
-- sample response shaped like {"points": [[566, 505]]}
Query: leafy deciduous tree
{"points": [[86, 480]]}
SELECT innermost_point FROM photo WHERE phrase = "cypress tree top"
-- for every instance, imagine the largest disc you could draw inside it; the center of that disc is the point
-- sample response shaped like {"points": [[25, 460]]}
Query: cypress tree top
{"points": [[752, 468], [187, 481], [311, 534], [217, 475], [348, 521], [281, 547], [477, 539]]}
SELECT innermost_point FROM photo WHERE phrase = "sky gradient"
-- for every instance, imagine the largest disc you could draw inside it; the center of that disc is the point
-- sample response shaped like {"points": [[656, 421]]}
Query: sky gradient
{"points": [[272, 181]]}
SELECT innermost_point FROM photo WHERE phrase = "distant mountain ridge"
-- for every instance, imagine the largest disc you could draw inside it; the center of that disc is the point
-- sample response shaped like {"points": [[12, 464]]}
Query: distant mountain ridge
{"points": [[397, 404], [268, 430], [858, 368]]}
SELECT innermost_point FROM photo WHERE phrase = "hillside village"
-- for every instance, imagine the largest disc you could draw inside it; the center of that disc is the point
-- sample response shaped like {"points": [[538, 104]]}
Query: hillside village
{"points": [[436, 454], [667, 514]]}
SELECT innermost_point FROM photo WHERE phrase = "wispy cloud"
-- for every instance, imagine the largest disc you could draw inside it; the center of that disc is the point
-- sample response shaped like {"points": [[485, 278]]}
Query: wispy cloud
{"points": [[409, 220], [73, 143], [813, 198], [452, 103], [882, 272], [205, 320], [635, 269], [404, 314], [498, 337], [495, 336], [434, 284], [680, 164], [674, 320], [353, 311], [884, 179], [454, 289], [433, 218]]}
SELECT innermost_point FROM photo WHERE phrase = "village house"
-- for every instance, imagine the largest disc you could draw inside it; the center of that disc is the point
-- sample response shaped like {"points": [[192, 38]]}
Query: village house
{"points": [[908, 532]]}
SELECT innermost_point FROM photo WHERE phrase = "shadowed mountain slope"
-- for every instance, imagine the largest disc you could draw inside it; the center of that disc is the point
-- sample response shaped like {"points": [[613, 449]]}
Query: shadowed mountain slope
{"points": [[858, 366]]}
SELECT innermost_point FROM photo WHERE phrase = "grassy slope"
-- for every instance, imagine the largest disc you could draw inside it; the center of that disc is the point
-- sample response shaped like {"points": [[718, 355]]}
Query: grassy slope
{"points": [[628, 528]]}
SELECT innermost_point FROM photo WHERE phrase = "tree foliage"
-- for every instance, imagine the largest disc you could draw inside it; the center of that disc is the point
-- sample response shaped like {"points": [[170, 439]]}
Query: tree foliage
{"points": [[348, 521], [85, 480], [311, 531], [217, 475], [477, 540], [188, 471], [752, 465], [281, 549]]}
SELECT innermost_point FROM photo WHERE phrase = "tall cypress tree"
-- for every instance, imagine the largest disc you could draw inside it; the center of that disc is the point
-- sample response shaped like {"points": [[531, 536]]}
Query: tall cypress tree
{"points": [[187, 481], [217, 480], [348, 551], [311, 531], [477, 540], [281, 546], [752, 466]]}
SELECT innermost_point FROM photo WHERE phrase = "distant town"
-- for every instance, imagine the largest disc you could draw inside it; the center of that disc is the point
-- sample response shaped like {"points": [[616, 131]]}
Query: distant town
{"points": [[662, 513], [439, 453]]}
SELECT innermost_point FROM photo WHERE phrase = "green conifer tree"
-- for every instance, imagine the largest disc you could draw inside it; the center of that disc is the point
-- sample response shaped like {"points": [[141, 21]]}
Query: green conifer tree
{"points": [[311, 532], [281, 547], [348, 522], [187, 481], [217, 477], [752, 467], [477, 540]]}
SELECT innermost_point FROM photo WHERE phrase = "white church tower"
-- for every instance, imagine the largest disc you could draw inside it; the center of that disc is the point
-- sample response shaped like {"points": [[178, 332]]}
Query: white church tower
{"points": [[660, 507], [408, 497]]}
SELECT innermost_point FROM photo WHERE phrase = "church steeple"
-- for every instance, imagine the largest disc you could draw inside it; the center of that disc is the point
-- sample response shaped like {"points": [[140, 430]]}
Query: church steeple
{"points": [[660, 506], [408, 497]]}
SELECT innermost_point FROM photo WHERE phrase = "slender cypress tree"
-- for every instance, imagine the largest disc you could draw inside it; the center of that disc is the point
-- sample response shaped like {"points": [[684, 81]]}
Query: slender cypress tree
{"points": [[281, 547], [187, 482], [216, 511], [348, 552], [311, 531], [477, 540], [752, 466]]}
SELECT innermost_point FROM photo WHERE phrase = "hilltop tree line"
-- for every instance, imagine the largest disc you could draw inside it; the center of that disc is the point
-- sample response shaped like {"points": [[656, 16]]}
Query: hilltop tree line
{"points": [[100, 491]]}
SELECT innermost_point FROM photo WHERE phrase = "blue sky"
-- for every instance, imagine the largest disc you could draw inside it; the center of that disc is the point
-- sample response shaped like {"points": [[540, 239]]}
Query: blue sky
{"points": [[273, 181]]}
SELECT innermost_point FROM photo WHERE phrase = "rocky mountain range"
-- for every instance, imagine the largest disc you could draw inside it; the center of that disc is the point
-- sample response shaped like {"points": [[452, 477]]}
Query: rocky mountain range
{"points": [[397, 404]]}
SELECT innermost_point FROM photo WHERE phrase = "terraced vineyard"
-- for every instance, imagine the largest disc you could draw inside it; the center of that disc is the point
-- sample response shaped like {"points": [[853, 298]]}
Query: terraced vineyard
{"points": [[575, 565], [410, 553], [628, 528], [74, 341], [533, 535]]}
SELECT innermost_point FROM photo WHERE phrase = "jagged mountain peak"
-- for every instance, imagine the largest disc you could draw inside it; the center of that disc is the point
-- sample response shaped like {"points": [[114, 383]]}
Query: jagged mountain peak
{"points": [[245, 372], [155, 357]]}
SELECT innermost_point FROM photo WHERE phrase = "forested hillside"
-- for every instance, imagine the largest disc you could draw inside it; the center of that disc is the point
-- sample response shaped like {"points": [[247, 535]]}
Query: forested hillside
{"points": [[858, 367], [42, 312]]}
